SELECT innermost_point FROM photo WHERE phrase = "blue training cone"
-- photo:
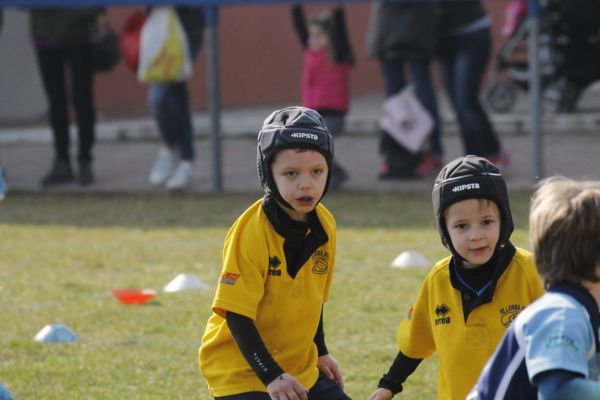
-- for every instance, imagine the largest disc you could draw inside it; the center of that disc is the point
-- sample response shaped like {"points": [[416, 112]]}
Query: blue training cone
{"points": [[5, 393], [55, 333]]}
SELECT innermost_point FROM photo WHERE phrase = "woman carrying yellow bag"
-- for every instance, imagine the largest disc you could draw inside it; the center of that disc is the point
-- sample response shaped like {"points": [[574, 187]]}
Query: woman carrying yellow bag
{"points": [[164, 51], [170, 39]]}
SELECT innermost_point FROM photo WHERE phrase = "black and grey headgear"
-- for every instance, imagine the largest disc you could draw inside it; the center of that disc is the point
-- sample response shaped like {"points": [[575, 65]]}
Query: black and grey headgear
{"points": [[471, 177], [291, 128]]}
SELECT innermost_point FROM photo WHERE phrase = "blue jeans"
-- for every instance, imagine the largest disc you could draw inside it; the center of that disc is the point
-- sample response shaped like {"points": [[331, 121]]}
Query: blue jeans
{"points": [[323, 389], [463, 60], [420, 75], [170, 106]]}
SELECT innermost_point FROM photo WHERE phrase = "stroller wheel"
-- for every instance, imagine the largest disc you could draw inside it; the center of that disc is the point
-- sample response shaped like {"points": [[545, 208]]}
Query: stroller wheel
{"points": [[502, 97], [560, 97]]}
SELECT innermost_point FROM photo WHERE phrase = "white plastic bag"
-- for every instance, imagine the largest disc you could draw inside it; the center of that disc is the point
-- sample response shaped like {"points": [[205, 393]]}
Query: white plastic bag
{"points": [[164, 50], [406, 120]]}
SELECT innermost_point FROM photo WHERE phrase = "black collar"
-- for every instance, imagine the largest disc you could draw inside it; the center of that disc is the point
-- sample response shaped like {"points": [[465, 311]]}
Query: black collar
{"points": [[471, 297], [301, 238]]}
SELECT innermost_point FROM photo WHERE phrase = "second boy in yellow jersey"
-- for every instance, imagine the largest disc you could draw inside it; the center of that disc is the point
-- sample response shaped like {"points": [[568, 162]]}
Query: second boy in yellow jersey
{"points": [[469, 298]]}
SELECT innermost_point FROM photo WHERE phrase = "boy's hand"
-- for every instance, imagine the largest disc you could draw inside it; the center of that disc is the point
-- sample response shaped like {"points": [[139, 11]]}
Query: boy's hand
{"points": [[329, 366], [381, 394], [287, 387]]}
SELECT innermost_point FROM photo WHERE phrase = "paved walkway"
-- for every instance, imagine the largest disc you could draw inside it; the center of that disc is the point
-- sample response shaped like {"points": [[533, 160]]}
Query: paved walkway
{"points": [[126, 149]]}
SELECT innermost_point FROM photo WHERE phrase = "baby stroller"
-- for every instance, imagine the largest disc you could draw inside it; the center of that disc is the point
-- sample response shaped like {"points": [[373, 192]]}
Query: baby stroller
{"points": [[569, 54]]}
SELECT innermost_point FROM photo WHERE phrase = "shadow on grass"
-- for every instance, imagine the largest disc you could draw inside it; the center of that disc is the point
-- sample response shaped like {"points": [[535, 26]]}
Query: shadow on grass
{"points": [[351, 209]]}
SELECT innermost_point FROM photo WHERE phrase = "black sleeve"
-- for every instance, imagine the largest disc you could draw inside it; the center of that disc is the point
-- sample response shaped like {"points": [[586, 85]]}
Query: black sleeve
{"points": [[192, 20], [342, 51], [320, 338], [300, 24], [401, 369], [252, 347]]}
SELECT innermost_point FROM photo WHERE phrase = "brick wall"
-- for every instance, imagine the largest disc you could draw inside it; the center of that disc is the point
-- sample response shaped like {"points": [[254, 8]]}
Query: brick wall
{"points": [[260, 60]]}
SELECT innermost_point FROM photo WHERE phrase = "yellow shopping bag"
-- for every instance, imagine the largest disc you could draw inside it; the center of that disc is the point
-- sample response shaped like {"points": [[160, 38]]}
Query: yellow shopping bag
{"points": [[164, 50]]}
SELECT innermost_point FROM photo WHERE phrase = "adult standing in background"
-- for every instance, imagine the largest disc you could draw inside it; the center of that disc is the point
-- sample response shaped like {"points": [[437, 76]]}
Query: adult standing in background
{"points": [[2, 179], [61, 39], [461, 43], [396, 62], [463, 52], [170, 105]]}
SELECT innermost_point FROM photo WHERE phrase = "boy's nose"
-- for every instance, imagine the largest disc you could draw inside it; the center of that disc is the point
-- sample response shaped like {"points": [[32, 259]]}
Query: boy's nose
{"points": [[305, 182], [476, 234]]}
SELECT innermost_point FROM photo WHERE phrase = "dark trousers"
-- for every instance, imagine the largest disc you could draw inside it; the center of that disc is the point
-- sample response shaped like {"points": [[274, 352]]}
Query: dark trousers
{"points": [[53, 62], [463, 60], [420, 76], [324, 389]]}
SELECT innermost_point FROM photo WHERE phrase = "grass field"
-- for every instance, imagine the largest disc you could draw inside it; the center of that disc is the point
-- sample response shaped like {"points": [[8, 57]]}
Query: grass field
{"points": [[61, 254]]}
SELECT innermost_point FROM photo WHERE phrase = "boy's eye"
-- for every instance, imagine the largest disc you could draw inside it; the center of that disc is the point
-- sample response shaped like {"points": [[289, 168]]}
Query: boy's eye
{"points": [[488, 221], [460, 226], [318, 171], [289, 173]]}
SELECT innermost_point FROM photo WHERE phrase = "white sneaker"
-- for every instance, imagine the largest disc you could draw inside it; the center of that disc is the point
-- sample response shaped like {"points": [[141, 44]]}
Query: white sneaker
{"points": [[163, 166], [182, 176]]}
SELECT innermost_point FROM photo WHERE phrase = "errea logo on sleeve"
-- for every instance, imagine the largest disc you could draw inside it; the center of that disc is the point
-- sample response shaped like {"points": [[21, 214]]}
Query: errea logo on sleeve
{"points": [[304, 135], [467, 186]]}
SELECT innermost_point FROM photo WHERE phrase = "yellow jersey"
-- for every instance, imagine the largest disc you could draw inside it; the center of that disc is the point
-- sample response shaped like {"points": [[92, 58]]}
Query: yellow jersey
{"points": [[436, 322], [254, 283]]}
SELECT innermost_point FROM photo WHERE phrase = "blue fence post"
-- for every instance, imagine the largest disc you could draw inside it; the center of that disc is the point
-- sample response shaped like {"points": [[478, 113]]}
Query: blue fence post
{"points": [[535, 90], [214, 102]]}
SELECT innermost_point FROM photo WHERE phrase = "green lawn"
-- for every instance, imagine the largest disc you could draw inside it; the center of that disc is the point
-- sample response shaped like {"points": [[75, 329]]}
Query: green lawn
{"points": [[61, 254]]}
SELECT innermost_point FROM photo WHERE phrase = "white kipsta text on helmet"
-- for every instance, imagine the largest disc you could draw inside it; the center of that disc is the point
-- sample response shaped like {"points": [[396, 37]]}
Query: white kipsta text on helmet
{"points": [[467, 186], [304, 135]]}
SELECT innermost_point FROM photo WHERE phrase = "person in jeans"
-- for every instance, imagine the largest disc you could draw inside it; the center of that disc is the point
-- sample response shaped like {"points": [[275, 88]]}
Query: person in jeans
{"points": [[463, 52], [61, 39], [398, 68], [170, 106]]}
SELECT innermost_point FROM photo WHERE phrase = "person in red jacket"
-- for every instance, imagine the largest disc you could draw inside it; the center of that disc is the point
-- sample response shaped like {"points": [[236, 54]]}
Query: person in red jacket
{"points": [[327, 58]]}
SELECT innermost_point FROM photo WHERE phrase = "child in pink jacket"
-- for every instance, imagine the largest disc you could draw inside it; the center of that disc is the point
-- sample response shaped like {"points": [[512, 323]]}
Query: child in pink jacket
{"points": [[327, 58]]}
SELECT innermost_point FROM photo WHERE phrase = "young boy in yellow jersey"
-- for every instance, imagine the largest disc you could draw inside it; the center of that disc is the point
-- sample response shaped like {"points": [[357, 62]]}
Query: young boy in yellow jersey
{"points": [[265, 339], [469, 298]]}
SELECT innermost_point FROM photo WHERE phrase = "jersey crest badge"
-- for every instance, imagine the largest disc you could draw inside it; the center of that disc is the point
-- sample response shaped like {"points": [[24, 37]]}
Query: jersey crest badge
{"points": [[510, 312], [320, 262]]}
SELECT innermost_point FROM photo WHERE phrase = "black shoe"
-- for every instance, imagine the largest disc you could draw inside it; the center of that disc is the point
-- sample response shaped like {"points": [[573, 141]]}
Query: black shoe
{"points": [[86, 174], [338, 176], [59, 173]]}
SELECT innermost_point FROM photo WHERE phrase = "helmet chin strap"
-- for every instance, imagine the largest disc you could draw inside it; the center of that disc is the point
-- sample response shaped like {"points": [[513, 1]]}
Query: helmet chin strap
{"points": [[279, 199]]}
